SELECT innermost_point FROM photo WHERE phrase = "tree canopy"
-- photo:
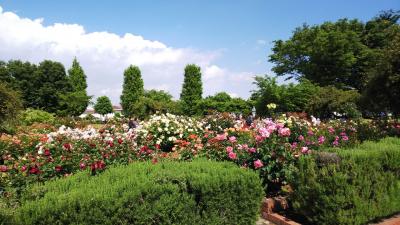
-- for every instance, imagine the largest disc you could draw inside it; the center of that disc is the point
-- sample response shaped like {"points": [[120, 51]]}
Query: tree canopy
{"points": [[334, 53], [103, 105], [132, 89], [192, 89]]}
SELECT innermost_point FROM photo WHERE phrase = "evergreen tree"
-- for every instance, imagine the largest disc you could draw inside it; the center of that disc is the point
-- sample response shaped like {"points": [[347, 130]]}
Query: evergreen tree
{"points": [[103, 105], [192, 89], [76, 101], [132, 89], [77, 77]]}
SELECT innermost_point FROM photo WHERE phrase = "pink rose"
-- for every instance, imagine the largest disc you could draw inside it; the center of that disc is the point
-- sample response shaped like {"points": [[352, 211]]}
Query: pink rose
{"points": [[310, 133], [304, 150], [301, 138], [264, 132], [229, 149], [82, 166], [345, 138], [259, 138], [284, 132], [258, 164], [321, 140], [252, 150], [232, 139], [220, 137], [331, 130], [3, 168], [232, 155]]}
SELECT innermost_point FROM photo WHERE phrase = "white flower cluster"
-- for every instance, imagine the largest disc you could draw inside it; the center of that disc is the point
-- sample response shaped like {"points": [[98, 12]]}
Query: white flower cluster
{"points": [[168, 127], [75, 134]]}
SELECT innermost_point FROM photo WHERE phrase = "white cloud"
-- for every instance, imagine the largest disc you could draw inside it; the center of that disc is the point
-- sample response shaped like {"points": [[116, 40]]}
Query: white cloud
{"points": [[105, 55]]}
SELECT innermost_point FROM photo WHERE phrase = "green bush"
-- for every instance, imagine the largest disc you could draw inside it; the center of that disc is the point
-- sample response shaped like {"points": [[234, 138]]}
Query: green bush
{"points": [[31, 116], [10, 106], [361, 185], [198, 192]]}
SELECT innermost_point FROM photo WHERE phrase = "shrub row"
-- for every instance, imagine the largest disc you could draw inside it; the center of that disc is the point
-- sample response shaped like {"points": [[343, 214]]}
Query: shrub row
{"points": [[352, 186], [198, 192]]}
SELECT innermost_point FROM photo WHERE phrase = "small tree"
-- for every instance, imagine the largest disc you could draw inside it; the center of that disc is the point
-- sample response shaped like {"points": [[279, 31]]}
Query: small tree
{"points": [[132, 89], [76, 101], [10, 105], [103, 105], [192, 89]]}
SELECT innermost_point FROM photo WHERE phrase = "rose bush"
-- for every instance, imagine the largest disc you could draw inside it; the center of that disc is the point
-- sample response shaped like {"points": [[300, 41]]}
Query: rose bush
{"points": [[270, 147]]}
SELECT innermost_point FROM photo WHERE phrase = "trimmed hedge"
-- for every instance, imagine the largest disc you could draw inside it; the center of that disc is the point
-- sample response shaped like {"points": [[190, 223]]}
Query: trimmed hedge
{"points": [[198, 192], [351, 186]]}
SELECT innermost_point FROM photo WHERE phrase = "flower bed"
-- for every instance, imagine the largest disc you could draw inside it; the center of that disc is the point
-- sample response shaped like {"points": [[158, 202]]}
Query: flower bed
{"points": [[270, 147]]}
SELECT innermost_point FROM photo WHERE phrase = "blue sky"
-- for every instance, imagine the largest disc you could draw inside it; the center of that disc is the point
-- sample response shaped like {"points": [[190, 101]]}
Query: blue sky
{"points": [[238, 34]]}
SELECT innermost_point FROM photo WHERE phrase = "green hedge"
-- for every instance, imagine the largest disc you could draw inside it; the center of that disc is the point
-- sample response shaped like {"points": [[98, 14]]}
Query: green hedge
{"points": [[351, 186], [198, 192]]}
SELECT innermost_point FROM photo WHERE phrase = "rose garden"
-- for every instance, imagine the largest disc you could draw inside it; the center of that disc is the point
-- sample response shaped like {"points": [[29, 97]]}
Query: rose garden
{"points": [[332, 152]]}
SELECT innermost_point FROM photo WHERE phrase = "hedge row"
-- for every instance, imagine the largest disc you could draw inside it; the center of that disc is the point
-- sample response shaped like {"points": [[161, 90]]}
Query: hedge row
{"points": [[198, 192], [352, 186]]}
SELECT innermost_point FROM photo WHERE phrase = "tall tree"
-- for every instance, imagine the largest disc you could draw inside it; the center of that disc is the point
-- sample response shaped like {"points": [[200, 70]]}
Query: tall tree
{"points": [[132, 89], [103, 105], [383, 90], [77, 77], [192, 89], [10, 105], [327, 54], [21, 76], [51, 83], [76, 101]]}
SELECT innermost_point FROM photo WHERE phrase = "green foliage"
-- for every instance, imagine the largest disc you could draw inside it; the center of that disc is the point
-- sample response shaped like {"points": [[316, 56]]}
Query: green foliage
{"points": [[21, 77], [51, 83], [192, 89], [103, 105], [382, 93], [288, 98], [10, 105], [328, 100], [31, 116], [198, 192], [223, 102], [154, 101], [76, 101], [327, 54], [132, 89], [362, 185], [347, 54]]}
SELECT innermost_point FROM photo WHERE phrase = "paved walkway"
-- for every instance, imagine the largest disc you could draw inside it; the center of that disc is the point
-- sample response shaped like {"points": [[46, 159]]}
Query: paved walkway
{"points": [[262, 221], [391, 221]]}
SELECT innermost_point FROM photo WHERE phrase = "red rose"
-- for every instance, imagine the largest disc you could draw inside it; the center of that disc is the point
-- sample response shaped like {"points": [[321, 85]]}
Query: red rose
{"points": [[34, 170], [47, 152], [58, 168], [111, 144], [3, 168], [67, 146], [92, 145], [23, 168], [120, 141]]}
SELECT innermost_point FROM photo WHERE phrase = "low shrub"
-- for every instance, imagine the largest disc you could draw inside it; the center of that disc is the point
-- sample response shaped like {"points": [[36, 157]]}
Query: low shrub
{"points": [[31, 116], [363, 185], [198, 192]]}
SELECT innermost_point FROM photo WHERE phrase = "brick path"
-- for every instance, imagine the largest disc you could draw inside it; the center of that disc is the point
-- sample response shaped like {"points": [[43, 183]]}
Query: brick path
{"points": [[391, 221]]}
